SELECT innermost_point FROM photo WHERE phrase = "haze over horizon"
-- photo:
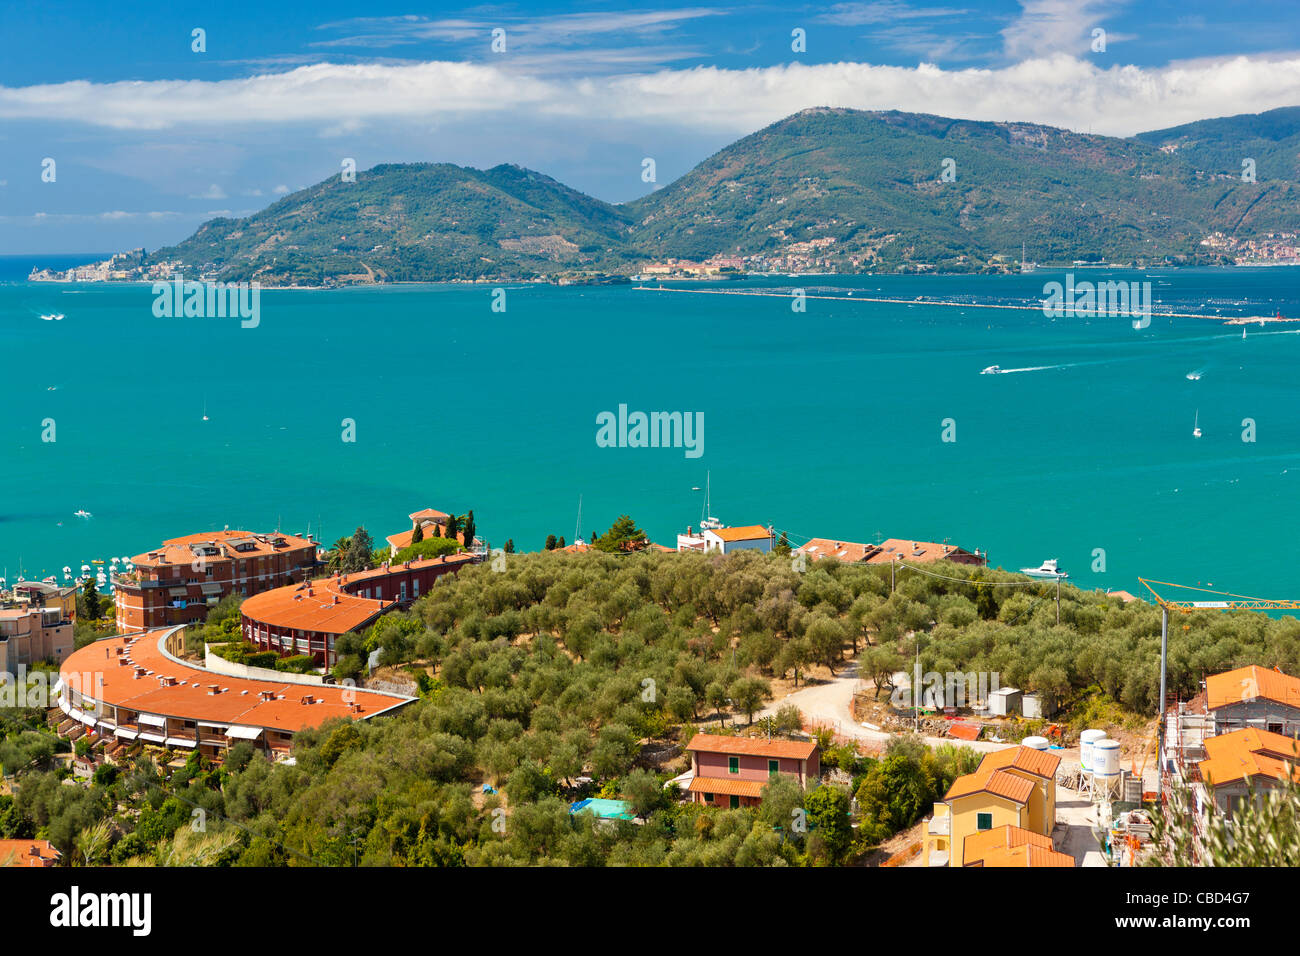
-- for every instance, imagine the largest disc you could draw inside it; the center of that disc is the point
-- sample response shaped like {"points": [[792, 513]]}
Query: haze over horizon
{"points": [[152, 138]]}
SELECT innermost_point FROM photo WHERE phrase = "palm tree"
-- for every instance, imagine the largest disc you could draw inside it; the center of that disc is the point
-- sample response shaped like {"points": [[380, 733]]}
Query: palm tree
{"points": [[92, 843], [335, 561]]}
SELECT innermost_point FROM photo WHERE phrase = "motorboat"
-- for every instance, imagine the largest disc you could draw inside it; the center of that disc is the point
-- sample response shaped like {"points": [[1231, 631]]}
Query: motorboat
{"points": [[1047, 569], [1196, 425], [82, 513], [991, 370]]}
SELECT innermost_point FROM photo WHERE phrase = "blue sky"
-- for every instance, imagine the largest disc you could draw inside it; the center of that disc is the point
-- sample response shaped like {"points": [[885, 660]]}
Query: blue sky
{"points": [[151, 138]]}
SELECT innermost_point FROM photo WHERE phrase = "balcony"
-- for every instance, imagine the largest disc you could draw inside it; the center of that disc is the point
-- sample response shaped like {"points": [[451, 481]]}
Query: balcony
{"points": [[135, 581], [939, 826]]}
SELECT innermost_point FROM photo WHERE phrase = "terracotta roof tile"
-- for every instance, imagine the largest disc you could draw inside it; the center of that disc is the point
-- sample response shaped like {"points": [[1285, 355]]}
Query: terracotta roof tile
{"points": [[1247, 753], [1252, 683], [849, 551], [991, 780], [28, 853], [727, 786], [1025, 855], [239, 702], [1004, 837], [907, 549], [752, 746], [751, 532], [327, 605], [181, 550], [1040, 763]]}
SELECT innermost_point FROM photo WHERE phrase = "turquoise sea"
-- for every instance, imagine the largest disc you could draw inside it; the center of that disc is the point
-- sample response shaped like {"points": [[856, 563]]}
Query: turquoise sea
{"points": [[826, 423]]}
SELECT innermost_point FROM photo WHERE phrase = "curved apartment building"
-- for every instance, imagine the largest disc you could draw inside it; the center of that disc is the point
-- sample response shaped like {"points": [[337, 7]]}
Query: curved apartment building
{"points": [[135, 688], [307, 618]]}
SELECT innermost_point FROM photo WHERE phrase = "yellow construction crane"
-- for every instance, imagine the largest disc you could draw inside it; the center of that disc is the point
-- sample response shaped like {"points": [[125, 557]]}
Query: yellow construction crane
{"points": [[1237, 602]]}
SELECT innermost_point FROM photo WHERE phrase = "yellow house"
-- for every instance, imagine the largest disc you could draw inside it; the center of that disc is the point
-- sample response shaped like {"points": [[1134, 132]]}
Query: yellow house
{"points": [[1012, 787]]}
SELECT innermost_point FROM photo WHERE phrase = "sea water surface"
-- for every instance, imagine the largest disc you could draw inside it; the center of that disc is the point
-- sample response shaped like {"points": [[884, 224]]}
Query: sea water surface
{"points": [[824, 423]]}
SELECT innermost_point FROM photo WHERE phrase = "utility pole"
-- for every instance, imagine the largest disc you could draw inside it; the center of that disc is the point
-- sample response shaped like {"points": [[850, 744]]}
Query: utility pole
{"points": [[1160, 719], [916, 688], [1058, 600]]}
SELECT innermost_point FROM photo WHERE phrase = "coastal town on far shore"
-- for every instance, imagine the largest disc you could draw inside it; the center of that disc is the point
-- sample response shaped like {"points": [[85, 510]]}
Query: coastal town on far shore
{"points": [[811, 257]]}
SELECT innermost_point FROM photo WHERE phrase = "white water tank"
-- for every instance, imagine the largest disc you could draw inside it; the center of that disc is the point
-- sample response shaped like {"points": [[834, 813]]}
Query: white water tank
{"points": [[1086, 741], [1105, 760], [1035, 743]]}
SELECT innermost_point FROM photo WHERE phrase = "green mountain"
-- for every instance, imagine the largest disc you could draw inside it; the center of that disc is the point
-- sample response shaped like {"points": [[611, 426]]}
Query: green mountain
{"points": [[872, 183], [823, 189], [413, 222], [1272, 139]]}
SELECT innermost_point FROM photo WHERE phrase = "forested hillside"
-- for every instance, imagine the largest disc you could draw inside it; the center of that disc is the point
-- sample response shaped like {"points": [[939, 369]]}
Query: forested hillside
{"points": [[851, 190]]}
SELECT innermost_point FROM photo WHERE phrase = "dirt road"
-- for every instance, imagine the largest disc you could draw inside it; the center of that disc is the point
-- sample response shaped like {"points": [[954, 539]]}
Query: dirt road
{"points": [[830, 703]]}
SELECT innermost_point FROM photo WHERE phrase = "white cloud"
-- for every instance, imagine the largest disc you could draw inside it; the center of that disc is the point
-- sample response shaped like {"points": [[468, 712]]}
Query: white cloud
{"points": [[564, 29], [1055, 26], [1058, 89], [281, 190], [212, 192], [113, 215], [880, 11]]}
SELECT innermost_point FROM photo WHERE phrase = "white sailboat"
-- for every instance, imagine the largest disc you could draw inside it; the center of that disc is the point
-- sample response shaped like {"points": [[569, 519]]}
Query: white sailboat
{"points": [[1196, 425], [707, 521]]}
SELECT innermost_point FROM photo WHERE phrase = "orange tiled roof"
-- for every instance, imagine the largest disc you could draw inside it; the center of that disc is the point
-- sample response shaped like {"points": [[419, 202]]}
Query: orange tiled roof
{"points": [[28, 853], [180, 550], [907, 549], [327, 605], [240, 700], [727, 786], [1000, 783], [1247, 753], [1040, 763], [753, 746], [1006, 836], [578, 547], [403, 538], [429, 514], [1025, 855], [841, 550], [1251, 683], [751, 532]]}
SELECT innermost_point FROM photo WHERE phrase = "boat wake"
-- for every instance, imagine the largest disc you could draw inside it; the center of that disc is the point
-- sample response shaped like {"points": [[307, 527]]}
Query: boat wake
{"points": [[997, 370]]}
